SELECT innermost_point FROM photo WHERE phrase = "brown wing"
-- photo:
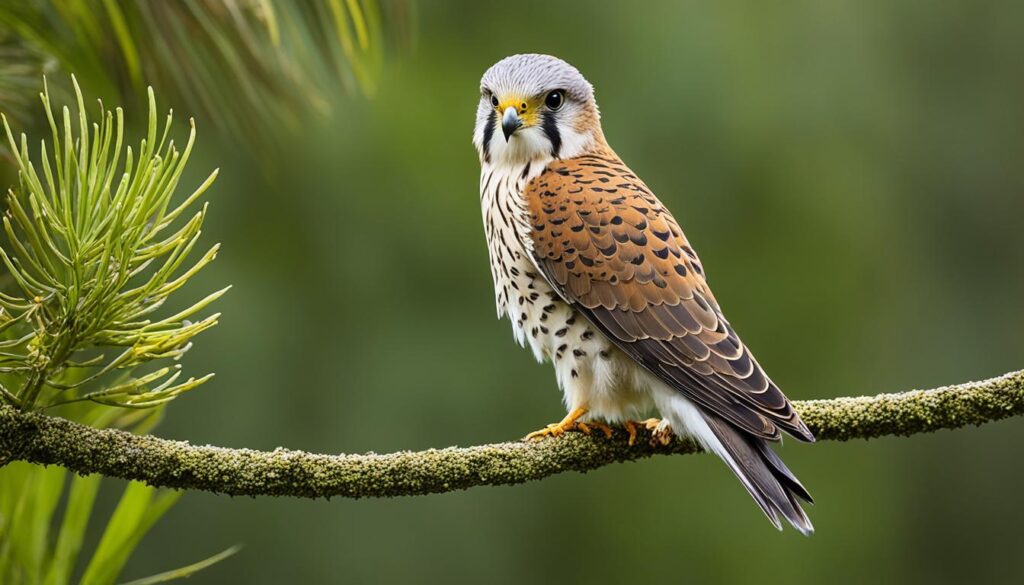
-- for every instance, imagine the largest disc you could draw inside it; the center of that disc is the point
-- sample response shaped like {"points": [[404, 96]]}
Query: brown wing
{"points": [[607, 244]]}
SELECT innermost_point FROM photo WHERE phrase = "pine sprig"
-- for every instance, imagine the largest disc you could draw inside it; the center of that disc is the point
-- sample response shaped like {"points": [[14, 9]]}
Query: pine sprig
{"points": [[94, 248]]}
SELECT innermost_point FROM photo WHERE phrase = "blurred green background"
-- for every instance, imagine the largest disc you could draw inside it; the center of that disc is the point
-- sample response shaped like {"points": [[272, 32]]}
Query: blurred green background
{"points": [[851, 174]]}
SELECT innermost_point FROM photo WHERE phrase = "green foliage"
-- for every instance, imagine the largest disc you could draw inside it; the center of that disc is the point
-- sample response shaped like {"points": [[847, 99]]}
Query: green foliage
{"points": [[91, 248], [20, 69], [96, 243], [137, 511], [44, 519], [186, 571], [94, 249], [233, 61]]}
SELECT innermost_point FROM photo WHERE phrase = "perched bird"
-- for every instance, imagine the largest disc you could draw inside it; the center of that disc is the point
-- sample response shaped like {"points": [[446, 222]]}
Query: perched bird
{"points": [[595, 275]]}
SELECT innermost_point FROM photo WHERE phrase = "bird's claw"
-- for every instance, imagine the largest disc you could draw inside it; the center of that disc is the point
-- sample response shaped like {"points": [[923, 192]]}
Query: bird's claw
{"points": [[585, 428], [566, 424], [571, 422], [560, 428], [661, 432], [552, 430]]}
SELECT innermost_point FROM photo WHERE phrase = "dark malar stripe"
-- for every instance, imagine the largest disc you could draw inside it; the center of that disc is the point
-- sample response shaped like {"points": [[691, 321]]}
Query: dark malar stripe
{"points": [[550, 127], [492, 120]]}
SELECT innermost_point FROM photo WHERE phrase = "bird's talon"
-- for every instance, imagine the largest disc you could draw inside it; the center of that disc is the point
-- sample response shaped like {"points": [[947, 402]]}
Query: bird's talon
{"points": [[631, 429], [661, 433], [547, 431], [607, 430], [582, 427], [556, 429]]}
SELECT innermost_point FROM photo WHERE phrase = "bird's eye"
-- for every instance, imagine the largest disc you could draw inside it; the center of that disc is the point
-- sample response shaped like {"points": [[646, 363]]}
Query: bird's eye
{"points": [[554, 99], [494, 100]]}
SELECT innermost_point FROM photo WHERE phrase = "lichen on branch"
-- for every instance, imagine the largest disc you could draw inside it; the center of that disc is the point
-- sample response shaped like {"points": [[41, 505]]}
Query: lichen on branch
{"points": [[38, 438], [94, 249]]}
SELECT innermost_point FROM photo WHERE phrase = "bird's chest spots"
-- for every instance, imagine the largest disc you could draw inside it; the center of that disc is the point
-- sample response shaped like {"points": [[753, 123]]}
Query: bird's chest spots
{"points": [[507, 228], [589, 369], [520, 291]]}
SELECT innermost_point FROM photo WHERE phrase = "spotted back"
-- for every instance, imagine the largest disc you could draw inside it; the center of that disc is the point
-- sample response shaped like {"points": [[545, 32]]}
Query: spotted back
{"points": [[609, 246]]}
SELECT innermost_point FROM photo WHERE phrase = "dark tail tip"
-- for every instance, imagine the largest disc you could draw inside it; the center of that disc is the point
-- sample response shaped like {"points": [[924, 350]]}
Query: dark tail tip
{"points": [[762, 472], [802, 433]]}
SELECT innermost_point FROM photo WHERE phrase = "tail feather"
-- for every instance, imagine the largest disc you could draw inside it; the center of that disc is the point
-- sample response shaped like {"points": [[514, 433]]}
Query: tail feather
{"points": [[772, 485], [781, 472]]}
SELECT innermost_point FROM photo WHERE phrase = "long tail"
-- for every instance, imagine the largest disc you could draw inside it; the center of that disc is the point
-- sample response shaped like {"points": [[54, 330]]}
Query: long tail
{"points": [[772, 485]]}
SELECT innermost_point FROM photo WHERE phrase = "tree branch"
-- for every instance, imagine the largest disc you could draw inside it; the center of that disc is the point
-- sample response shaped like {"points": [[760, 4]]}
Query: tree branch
{"points": [[44, 439]]}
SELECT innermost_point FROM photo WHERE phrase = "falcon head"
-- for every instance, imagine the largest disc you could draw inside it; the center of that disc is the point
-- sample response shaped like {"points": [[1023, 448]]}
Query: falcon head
{"points": [[535, 107]]}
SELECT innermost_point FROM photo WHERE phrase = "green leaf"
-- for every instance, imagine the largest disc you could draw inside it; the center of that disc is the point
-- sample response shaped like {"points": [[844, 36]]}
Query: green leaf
{"points": [[38, 491], [81, 498], [186, 571], [48, 489], [140, 507], [15, 480]]}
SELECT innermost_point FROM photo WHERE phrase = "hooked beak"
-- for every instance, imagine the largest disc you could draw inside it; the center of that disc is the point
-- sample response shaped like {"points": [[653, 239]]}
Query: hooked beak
{"points": [[510, 122]]}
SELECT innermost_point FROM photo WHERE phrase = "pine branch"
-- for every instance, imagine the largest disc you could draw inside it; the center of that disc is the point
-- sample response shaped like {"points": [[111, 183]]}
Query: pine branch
{"points": [[95, 244], [93, 254], [47, 440], [228, 61]]}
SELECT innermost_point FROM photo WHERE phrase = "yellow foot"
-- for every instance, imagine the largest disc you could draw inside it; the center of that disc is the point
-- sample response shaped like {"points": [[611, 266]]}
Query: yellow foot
{"points": [[585, 428], [566, 424], [661, 432], [631, 428]]}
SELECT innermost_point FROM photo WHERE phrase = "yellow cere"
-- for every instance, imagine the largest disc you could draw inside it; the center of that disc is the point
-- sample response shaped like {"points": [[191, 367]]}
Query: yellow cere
{"points": [[526, 107]]}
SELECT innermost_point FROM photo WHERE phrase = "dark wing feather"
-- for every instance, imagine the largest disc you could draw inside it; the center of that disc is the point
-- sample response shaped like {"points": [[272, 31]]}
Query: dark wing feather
{"points": [[609, 246]]}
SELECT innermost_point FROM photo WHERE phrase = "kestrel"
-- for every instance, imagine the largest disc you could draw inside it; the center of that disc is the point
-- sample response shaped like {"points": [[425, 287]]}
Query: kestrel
{"points": [[596, 276]]}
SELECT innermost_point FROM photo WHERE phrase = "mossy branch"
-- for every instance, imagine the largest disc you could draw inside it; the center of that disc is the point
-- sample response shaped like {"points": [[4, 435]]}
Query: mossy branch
{"points": [[47, 440], [93, 253]]}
